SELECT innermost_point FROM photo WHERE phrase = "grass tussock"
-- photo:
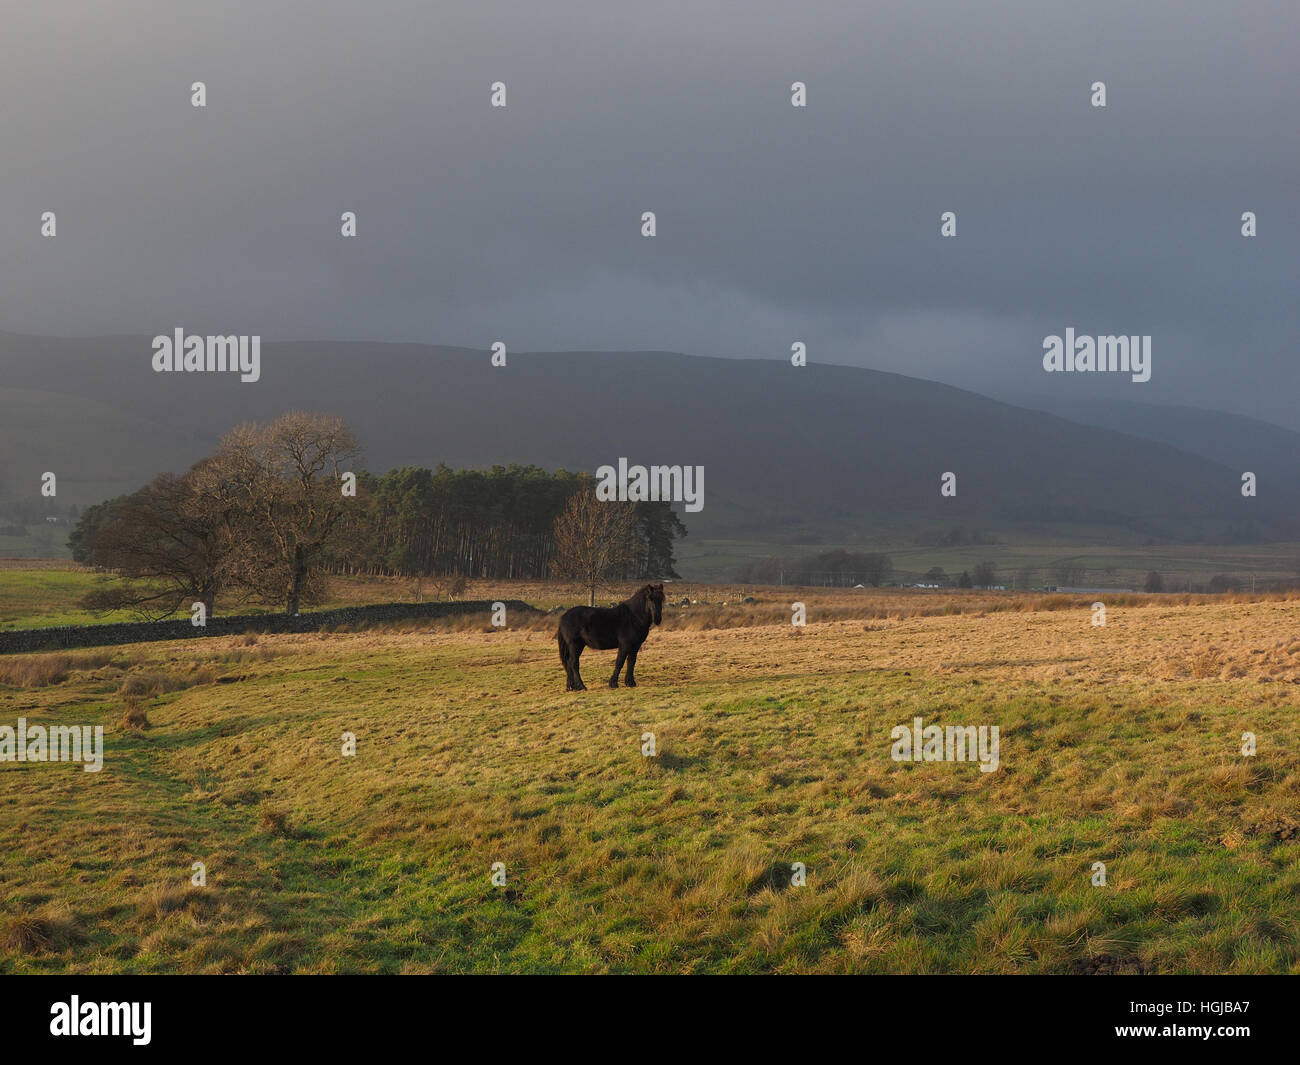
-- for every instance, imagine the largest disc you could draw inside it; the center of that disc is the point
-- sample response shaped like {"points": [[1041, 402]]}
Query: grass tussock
{"points": [[134, 717], [275, 822], [164, 899], [152, 683], [43, 930], [43, 670]]}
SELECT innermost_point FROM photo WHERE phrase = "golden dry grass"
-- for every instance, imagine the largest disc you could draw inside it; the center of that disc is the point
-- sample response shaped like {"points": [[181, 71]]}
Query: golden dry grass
{"points": [[1120, 744]]}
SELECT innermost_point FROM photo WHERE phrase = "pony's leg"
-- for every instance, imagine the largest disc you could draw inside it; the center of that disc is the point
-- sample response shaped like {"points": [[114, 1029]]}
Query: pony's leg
{"points": [[571, 680], [564, 659], [630, 680], [575, 652], [618, 665]]}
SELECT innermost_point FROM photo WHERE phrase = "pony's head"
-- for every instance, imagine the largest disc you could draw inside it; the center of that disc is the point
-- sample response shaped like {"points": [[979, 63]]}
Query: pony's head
{"points": [[653, 596]]}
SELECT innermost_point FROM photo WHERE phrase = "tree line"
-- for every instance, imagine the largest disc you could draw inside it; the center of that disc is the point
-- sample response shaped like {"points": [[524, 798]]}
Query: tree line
{"points": [[846, 569], [498, 524], [277, 508], [837, 568]]}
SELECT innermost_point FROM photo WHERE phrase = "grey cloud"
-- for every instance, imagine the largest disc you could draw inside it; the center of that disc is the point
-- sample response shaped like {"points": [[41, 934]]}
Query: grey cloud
{"points": [[775, 224]]}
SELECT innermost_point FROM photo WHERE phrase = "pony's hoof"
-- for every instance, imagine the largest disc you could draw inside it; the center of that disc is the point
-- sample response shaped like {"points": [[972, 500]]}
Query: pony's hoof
{"points": [[629, 684], [613, 684]]}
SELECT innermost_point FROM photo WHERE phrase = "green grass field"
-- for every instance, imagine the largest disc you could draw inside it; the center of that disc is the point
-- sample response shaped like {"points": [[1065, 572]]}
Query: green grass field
{"points": [[34, 597], [1118, 744], [42, 598]]}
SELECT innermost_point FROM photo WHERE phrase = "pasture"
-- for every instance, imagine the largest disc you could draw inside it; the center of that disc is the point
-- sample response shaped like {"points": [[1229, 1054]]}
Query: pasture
{"points": [[1119, 744]]}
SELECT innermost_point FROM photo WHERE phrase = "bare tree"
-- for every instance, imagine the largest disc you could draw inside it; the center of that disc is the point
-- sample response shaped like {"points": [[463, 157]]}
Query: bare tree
{"points": [[174, 537], [1068, 572], [287, 480], [593, 540], [450, 586]]}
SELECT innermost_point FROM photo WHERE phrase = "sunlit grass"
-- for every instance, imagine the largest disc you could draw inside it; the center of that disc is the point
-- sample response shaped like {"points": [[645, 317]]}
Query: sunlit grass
{"points": [[1117, 745]]}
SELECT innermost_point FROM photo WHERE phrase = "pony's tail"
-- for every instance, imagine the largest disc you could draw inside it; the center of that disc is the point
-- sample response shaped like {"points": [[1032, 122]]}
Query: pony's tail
{"points": [[564, 647]]}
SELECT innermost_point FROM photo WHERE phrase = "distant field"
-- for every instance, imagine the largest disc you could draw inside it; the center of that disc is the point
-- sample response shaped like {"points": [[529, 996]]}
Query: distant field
{"points": [[1104, 566], [1118, 744], [40, 542], [41, 597]]}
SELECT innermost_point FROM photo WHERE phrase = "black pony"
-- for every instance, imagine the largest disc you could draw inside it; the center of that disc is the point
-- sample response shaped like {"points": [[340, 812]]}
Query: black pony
{"points": [[624, 626]]}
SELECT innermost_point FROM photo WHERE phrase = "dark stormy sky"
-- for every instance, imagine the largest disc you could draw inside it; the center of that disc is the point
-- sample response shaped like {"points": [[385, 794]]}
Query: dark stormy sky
{"points": [[775, 224]]}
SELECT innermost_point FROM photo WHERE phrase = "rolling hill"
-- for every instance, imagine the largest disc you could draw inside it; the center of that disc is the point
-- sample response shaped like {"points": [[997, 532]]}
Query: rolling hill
{"points": [[788, 452]]}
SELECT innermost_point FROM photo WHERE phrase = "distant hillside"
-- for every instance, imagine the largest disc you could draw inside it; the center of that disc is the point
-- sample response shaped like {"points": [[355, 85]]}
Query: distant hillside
{"points": [[787, 451], [94, 448], [1269, 451]]}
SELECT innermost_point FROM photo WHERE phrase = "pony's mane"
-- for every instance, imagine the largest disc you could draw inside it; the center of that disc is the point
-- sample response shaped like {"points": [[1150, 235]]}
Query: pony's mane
{"points": [[646, 591]]}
